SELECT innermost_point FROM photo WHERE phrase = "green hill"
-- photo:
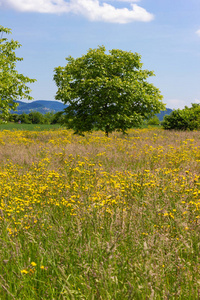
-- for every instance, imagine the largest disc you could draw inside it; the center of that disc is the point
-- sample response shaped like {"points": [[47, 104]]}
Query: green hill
{"points": [[42, 106]]}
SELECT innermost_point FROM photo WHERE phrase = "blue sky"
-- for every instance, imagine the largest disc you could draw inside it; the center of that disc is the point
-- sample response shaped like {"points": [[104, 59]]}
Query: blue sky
{"points": [[165, 32]]}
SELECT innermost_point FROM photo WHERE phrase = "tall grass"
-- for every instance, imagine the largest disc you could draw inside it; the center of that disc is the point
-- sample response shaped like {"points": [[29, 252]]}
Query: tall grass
{"points": [[32, 127], [99, 218]]}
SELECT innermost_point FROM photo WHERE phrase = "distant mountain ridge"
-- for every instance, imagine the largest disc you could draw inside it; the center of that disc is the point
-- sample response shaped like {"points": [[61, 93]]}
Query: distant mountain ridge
{"points": [[163, 113], [45, 106], [42, 106]]}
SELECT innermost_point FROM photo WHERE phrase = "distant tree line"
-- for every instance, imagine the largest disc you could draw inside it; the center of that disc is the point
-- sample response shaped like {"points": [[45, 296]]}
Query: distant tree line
{"points": [[36, 117], [180, 119], [56, 118], [183, 119]]}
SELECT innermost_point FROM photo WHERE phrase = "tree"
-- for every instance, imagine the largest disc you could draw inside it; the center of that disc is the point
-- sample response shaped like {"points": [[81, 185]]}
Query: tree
{"points": [[12, 84], [183, 119], [106, 91], [48, 117], [36, 117], [153, 121], [58, 118], [24, 118], [14, 118]]}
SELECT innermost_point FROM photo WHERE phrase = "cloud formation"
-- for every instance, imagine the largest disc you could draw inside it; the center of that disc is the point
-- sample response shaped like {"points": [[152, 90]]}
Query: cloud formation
{"points": [[91, 9], [131, 1], [197, 101], [198, 32], [178, 103]]}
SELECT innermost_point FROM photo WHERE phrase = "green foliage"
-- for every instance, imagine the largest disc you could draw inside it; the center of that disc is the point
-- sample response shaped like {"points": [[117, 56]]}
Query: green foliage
{"points": [[99, 219], [153, 121], [58, 118], [13, 118], [185, 119], [28, 127], [36, 117], [48, 118], [106, 91], [13, 86], [24, 118]]}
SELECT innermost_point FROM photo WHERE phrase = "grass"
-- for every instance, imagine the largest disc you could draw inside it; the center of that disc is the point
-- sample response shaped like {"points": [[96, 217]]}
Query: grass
{"points": [[99, 218], [30, 127]]}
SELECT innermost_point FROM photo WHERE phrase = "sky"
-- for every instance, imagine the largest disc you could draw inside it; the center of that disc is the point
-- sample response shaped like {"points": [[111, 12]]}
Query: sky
{"points": [[166, 33]]}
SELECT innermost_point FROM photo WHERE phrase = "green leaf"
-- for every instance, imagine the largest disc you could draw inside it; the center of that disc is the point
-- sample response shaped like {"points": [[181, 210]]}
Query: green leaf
{"points": [[106, 91], [13, 86]]}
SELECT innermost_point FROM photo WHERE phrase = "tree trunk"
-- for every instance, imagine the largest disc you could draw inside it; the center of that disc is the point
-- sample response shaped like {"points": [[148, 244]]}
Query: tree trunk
{"points": [[107, 130]]}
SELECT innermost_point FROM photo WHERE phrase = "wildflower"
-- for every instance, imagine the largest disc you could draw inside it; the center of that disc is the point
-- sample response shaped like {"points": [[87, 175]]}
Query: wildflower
{"points": [[24, 271], [33, 264], [43, 267]]}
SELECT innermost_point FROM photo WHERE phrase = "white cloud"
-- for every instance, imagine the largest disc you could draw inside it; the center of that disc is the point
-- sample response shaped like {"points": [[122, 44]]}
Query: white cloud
{"points": [[41, 6], [197, 101], [178, 103], [130, 1], [198, 32], [91, 9]]}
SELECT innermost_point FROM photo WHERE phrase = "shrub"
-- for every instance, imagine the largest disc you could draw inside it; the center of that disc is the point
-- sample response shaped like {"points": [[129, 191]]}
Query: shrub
{"points": [[48, 117], [36, 117], [153, 121], [24, 118], [183, 119], [14, 118], [58, 118]]}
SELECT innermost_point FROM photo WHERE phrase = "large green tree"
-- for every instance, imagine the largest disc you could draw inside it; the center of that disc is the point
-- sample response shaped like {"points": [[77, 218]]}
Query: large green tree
{"points": [[13, 86], [106, 91]]}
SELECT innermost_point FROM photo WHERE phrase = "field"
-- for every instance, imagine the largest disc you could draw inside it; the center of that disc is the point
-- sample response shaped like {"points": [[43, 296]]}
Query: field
{"points": [[29, 127], [99, 217]]}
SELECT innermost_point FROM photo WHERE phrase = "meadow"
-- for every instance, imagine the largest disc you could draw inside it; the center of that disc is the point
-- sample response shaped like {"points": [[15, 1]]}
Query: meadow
{"points": [[98, 217]]}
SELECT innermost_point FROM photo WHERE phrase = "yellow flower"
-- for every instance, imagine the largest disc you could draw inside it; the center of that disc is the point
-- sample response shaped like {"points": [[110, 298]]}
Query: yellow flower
{"points": [[33, 264], [24, 271]]}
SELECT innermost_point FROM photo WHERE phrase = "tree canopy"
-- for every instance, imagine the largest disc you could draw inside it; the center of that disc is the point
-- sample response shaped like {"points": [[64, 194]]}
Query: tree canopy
{"points": [[187, 118], [13, 86], [106, 91]]}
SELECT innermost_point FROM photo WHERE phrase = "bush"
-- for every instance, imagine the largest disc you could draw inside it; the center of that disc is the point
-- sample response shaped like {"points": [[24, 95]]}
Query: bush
{"points": [[58, 118], [24, 118], [14, 118], [185, 119], [48, 118], [36, 117], [153, 121]]}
